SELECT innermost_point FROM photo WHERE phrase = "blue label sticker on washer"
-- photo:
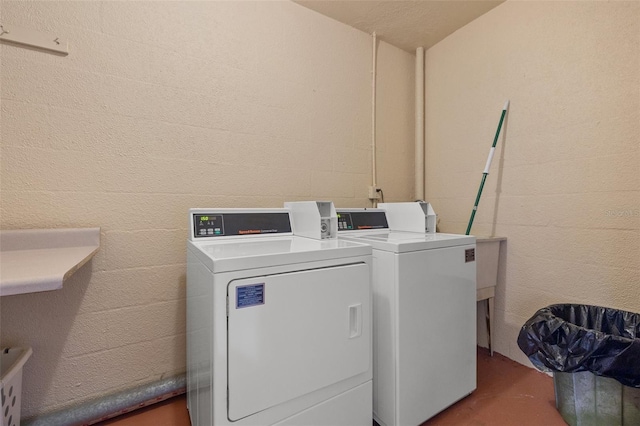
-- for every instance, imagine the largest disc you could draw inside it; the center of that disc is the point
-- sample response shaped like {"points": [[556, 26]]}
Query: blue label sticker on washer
{"points": [[250, 295]]}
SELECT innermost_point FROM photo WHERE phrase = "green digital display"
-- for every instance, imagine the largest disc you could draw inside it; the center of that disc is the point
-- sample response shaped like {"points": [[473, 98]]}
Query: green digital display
{"points": [[208, 225]]}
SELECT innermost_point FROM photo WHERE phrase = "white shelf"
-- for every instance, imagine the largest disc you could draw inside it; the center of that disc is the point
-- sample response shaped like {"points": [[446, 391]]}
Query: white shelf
{"points": [[33, 260]]}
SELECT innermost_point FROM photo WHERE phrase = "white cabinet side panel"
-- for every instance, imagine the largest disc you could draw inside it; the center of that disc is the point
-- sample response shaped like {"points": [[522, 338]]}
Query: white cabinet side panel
{"points": [[200, 333], [437, 325], [384, 336]]}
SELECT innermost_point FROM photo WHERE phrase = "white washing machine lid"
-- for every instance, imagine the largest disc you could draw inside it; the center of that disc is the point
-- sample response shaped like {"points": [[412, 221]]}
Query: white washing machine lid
{"points": [[250, 253], [401, 241]]}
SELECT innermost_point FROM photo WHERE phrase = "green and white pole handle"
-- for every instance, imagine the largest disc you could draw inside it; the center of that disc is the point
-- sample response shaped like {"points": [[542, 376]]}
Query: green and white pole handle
{"points": [[487, 167]]}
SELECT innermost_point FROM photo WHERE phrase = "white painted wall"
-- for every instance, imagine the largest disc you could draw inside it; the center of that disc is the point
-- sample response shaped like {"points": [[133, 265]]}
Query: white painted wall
{"points": [[564, 186], [159, 107]]}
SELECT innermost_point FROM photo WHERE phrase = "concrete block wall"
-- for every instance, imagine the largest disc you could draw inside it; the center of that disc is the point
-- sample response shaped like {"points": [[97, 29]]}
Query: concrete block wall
{"points": [[564, 186], [159, 107]]}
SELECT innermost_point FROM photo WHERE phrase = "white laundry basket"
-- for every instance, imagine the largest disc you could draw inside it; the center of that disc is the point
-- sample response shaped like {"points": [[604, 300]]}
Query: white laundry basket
{"points": [[11, 362]]}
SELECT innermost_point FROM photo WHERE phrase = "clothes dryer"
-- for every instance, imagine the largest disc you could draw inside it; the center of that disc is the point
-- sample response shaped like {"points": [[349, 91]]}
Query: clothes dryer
{"points": [[424, 316], [278, 326]]}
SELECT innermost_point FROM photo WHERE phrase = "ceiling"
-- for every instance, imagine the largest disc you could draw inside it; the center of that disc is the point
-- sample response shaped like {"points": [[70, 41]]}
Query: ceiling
{"points": [[406, 24]]}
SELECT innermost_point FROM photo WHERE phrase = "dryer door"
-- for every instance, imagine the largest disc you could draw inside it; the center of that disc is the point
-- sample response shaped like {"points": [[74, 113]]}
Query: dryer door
{"points": [[293, 333]]}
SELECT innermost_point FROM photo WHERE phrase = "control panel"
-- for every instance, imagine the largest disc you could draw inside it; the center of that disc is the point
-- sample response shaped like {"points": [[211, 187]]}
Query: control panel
{"points": [[360, 220], [216, 224]]}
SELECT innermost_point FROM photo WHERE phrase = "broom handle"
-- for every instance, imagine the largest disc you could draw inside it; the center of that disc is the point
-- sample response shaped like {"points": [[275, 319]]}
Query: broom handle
{"points": [[486, 168]]}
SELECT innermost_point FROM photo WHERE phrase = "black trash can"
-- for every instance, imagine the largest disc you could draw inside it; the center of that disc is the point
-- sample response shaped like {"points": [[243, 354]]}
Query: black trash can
{"points": [[594, 354]]}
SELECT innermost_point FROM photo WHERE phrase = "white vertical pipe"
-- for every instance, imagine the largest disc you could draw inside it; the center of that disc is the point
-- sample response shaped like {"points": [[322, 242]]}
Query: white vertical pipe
{"points": [[374, 59], [419, 119]]}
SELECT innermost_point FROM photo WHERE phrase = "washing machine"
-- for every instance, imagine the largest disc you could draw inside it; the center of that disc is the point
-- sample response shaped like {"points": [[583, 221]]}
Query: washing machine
{"points": [[278, 326], [424, 312]]}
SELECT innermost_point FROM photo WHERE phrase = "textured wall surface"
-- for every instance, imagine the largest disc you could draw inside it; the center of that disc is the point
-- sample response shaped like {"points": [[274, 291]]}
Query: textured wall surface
{"points": [[159, 107], [564, 186]]}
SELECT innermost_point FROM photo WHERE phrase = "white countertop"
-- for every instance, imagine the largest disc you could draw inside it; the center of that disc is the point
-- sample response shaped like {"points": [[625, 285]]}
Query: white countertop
{"points": [[33, 260]]}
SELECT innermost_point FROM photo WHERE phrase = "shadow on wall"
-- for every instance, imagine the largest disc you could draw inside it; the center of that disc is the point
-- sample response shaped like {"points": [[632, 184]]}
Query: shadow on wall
{"points": [[507, 325], [43, 321], [482, 313], [503, 141]]}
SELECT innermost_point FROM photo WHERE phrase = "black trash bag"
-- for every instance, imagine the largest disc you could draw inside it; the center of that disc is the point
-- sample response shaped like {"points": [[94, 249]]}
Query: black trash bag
{"points": [[572, 338]]}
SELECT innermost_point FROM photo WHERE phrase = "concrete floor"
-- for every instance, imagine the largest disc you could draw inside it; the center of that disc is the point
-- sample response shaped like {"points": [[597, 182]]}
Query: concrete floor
{"points": [[507, 394]]}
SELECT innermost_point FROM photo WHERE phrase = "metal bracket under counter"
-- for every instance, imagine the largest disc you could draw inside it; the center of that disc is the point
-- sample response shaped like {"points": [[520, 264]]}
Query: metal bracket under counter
{"points": [[34, 260], [487, 262]]}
